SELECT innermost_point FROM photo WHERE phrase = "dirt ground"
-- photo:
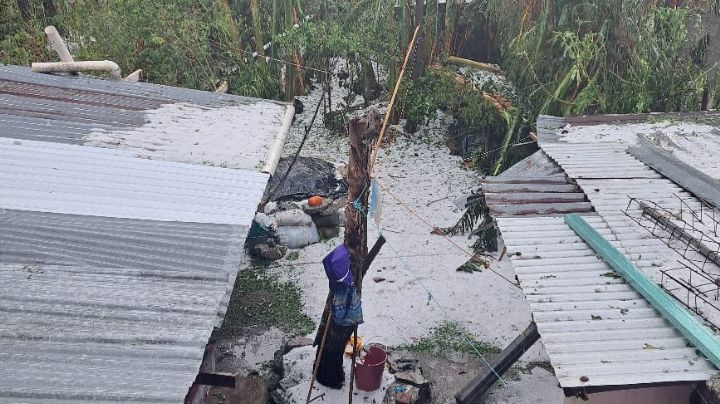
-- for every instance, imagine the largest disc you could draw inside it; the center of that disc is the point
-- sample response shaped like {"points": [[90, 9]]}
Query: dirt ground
{"points": [[420, 291]]}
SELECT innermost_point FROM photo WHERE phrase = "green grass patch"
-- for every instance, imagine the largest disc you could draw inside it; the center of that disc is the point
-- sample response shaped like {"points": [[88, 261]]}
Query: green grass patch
{"points": [[261, 300], [449, 338]]}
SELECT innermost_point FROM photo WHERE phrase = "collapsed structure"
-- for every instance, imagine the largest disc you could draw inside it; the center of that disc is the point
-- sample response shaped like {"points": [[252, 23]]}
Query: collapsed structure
{"points": [[649, 185], [123, 212]]}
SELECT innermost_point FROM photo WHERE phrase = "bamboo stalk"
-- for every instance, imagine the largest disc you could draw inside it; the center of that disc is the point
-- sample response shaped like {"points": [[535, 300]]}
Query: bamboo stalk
{"points": [[376, 148], [475, 65]]}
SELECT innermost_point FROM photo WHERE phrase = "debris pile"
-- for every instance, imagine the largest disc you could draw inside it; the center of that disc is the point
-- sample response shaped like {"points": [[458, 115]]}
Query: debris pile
{"points": [[410, 385], [306, 200]]}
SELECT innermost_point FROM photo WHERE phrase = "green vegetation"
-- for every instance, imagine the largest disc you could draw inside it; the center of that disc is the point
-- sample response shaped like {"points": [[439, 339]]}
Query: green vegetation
{"points": [[560, 56], [448, 338], [599, 56], [259, 299]]}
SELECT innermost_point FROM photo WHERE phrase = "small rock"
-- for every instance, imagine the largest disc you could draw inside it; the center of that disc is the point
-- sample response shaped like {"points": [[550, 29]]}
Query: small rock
{"points": [[378, 279], [414, 378], [269, 251], [400, 362]]}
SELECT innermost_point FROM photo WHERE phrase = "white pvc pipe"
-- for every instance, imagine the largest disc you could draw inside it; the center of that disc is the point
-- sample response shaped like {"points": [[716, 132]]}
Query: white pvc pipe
{"points": [[273, 157], [134, 77], [58, 44], [102, 65]]}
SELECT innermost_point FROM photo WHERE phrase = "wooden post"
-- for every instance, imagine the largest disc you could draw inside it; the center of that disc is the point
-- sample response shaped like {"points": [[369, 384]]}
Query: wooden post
{"points": [[474, 391], [362, 130]]}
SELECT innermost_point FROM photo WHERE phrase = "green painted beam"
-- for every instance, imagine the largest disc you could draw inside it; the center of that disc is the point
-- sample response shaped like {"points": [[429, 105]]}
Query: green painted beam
{"points": [[699, 335]]}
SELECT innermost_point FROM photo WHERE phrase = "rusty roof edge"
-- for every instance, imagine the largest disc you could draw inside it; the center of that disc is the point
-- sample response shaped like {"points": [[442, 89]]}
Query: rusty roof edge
{"points": [[99, 84]]}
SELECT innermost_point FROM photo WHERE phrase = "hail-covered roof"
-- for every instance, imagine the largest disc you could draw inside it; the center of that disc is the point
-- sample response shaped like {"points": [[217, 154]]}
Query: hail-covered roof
{"points": [[123, 212]]}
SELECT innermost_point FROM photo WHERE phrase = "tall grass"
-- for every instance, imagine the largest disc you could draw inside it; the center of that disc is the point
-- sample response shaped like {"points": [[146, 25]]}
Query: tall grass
{"points": [[601, 56]]}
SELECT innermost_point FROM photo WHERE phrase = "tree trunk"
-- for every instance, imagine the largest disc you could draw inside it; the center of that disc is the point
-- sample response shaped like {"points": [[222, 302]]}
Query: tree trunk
{"points": [[274, 23], [422, 50], [289, 69], [371, 87], [450, 22], [362, 130], [24, 8], [49, 8], [297, 57], [257, 31], [419, 13]]}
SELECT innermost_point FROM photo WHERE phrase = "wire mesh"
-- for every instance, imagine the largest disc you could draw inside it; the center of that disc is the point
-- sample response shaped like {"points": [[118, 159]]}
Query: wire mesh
{"points": [[689, 227]]}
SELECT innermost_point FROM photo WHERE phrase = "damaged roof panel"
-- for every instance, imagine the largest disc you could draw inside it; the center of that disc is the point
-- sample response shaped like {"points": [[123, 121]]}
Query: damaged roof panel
{"points": [[538, 187], [592, 324]]}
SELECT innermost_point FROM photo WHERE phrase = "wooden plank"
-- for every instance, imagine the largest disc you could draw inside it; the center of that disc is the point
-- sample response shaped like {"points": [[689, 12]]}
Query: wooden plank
{"points": [[536, 197], [491, 187], [473, 391], [548, 208], [693, 330]]}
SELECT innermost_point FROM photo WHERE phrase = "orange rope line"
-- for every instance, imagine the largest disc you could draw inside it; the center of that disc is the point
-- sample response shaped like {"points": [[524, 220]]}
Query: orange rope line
{"points": [[432, 226]]}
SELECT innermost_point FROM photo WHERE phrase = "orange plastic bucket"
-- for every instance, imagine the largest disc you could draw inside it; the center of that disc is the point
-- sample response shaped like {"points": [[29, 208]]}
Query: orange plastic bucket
{"points": [[368, 374]]}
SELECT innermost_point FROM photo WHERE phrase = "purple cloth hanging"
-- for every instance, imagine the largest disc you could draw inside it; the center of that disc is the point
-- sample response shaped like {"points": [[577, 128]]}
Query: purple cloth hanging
{"points": [[337, 268]]}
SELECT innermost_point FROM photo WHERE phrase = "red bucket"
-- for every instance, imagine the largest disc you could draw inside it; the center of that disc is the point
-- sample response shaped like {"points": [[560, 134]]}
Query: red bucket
{"points": [[368, 374]]}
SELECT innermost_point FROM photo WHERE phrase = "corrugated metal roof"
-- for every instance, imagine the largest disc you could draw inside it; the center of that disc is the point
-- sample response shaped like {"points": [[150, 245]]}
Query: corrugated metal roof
{"points": [[58, 178], [117, 261], [691, 138], [696, 147], [597, 160], [534, 186], [72, 333], [611, 192], [151, 121], [109, 309], [537, 164], [592, 324]]}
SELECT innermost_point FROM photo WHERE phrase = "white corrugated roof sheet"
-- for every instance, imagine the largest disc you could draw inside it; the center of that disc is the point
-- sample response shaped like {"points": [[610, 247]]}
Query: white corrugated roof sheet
{"points": [[60, 178], [592, 324], [123, 212]]}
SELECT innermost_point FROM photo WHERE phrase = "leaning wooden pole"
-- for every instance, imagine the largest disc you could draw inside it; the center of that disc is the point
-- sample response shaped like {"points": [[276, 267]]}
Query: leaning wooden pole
{"points": [[388, 114], [362, 131]]}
